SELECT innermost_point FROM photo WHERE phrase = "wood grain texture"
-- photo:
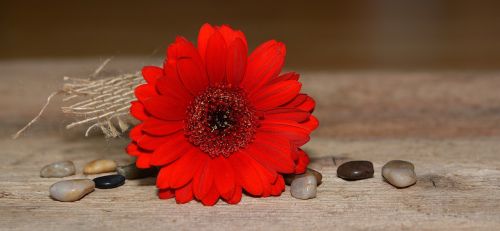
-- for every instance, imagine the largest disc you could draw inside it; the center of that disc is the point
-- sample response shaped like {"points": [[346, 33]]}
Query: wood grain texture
{"points": [[447, 124]]}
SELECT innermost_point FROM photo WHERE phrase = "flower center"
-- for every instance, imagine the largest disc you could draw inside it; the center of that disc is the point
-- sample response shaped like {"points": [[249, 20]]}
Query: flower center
{"points": [[221, 121]]}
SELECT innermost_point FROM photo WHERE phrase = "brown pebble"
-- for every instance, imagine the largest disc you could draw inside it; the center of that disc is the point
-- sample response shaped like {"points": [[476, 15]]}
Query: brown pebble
{"points": [[100, 166], [355, 170]]}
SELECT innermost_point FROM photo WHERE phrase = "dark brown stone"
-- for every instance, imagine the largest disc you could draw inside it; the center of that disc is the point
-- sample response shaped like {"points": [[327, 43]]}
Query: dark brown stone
{"points": [[355, 170]]}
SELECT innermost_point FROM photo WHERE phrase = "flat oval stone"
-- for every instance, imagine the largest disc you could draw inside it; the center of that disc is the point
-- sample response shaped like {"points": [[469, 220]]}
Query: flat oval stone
{"points": [[58, 169], [99, 166], [109, 181], [132, 172], [290, 177], [71, 190], [399, 173], [355, 170], [304, 187]]}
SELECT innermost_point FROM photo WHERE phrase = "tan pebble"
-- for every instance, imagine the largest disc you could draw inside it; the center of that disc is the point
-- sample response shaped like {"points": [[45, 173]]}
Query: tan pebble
{"points": [[100, 166], [71, 190], [399, 173]]}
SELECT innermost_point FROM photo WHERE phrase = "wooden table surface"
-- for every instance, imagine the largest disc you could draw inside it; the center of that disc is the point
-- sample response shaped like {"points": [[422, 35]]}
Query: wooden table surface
{"points": [[446, 123]]}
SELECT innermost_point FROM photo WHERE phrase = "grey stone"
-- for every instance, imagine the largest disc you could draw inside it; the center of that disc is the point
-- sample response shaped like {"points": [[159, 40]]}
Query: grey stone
{"points": [[399, 173], [304, 187], [58, 169], [71, 190]]}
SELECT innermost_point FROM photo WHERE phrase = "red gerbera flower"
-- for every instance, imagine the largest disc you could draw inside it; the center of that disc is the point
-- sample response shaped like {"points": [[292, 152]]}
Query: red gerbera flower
{"points": [[218, 122]]}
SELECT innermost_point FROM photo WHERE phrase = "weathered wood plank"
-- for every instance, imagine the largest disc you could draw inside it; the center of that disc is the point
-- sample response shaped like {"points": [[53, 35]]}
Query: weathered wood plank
{"points": [[447, 124]]}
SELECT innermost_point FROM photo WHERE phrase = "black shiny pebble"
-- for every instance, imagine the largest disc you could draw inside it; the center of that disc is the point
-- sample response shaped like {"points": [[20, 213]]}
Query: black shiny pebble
{"points": [[109, 181], [355, 170]]}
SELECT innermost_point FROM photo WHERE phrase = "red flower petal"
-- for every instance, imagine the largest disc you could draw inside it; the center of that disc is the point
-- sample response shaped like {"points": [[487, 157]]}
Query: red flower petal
{"points": [[132, 149], [275, 95], [145, 92], [267, 152], [151, 74], [150, 143], [307, 105], [302, 162], [285, 77], [184, 194], [211, 198], [278, 186], [137, 110], [184, 169], [236, 196], [163, 176], [166, 108], [136, 133], [182, 49], [203, 180], [297, 133], [312, 123], [287, 114], [161, 127], [170, 85], [272, 158], [300, 99], [224, 177], [247, 175], [143, 161], [192, 76], [264, 64], [236, 62], [215, 59], [204, 35], [173, 148], [230, 35], [165, 193]]}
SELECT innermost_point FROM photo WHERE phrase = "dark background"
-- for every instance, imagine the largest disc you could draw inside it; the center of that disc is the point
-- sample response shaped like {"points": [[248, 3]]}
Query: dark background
{"points": [[423, 34]]}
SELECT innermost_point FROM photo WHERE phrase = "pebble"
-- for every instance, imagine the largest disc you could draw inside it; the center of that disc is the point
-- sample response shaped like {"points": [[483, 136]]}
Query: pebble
{"points": [[399, 173], [100, 166], [290, 177], [71, 190], [58, 169], [355, 170], [304, 186], [132, 172], [109, 181]]}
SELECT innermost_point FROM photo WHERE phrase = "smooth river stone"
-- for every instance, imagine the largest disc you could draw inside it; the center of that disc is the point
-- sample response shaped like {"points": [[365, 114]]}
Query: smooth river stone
{"points": [[100, 166], [109, 181], [355, 170], [132, 172], [399, 173], [71, 190], [58, 169], [304, 186], [290, 177]]}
